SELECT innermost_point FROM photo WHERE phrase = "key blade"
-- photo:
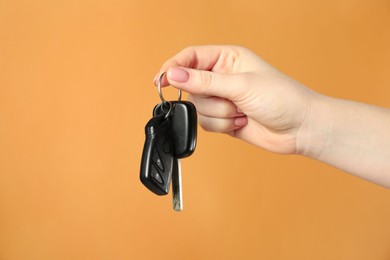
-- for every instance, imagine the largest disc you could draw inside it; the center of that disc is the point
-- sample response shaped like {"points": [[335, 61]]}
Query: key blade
{"points": [[177, 191]]}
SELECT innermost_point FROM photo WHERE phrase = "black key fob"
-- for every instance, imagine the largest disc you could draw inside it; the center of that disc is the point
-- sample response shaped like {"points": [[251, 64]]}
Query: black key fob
{"points": [[157, 155], [183, 127]]}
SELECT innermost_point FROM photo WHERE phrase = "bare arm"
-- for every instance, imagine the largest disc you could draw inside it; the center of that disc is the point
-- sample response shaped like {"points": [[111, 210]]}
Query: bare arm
{"points": [[351, 136], [238, 93]]}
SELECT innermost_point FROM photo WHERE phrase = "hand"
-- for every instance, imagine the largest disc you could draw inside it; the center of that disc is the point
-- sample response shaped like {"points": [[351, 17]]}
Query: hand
{"points": [[239, 94]]}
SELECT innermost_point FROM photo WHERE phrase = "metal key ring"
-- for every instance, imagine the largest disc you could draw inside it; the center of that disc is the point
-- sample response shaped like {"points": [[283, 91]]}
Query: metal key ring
{"points": [[167, 113], [160, 91]]}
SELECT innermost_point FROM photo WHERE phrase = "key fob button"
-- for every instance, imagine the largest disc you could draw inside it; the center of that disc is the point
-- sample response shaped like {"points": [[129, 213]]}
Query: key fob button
{"points": [[157, 160], [159, 164], [157, 177]]}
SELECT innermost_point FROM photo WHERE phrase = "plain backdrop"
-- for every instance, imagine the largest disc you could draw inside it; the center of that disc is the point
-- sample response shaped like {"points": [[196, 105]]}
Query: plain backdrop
{"points": [[76, 90]]}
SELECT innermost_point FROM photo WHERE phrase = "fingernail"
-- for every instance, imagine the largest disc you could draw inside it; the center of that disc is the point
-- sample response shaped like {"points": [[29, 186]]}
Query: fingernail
{"points": [[155, 79], [240, 121], [178, 75]]}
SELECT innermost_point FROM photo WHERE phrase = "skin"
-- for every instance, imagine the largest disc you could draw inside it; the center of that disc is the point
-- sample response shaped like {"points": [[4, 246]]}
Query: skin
{"points": [[238, 93]]}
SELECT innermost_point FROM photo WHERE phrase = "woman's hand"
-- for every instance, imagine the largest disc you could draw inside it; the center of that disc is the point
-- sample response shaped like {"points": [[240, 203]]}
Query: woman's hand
{"points": [[239, 94]]}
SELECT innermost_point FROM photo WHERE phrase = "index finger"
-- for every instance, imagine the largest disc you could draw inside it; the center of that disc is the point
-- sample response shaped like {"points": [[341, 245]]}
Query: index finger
{"points": [[207, 57]]}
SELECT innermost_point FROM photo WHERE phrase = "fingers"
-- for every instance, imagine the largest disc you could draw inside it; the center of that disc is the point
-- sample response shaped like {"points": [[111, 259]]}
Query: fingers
{"points": [[206, 83], [203, 57], [217, 114], [215, 107], [210, 58], [222, 125]]}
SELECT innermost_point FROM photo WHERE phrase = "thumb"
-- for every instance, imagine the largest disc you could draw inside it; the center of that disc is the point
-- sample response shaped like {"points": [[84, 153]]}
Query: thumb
{"points": [[203, 82]]}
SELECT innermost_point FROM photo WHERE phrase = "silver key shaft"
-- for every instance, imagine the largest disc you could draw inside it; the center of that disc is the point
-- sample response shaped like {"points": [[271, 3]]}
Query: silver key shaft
{"points": [[177, 191]]}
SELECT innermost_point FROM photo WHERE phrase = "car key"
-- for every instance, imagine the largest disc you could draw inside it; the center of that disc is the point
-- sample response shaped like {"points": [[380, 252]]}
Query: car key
{"points": [[157, 156], [183, 127], [184, 133], [170, 135]]}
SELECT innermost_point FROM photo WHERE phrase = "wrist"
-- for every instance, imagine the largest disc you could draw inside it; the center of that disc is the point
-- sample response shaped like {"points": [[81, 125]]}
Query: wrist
{"points": [[314, 135]]}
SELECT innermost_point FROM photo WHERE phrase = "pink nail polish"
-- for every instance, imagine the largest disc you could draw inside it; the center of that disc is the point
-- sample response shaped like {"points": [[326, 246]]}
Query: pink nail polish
{"points": [[155, 79], [178, 75], [240, 121]]}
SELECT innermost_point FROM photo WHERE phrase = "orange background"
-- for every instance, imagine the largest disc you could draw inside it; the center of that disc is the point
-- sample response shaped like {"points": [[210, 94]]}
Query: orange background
{"points": [[76, 92]]}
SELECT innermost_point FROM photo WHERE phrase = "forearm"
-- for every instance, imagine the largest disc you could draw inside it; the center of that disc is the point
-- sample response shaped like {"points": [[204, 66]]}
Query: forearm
{"points": [[351, 136]]}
